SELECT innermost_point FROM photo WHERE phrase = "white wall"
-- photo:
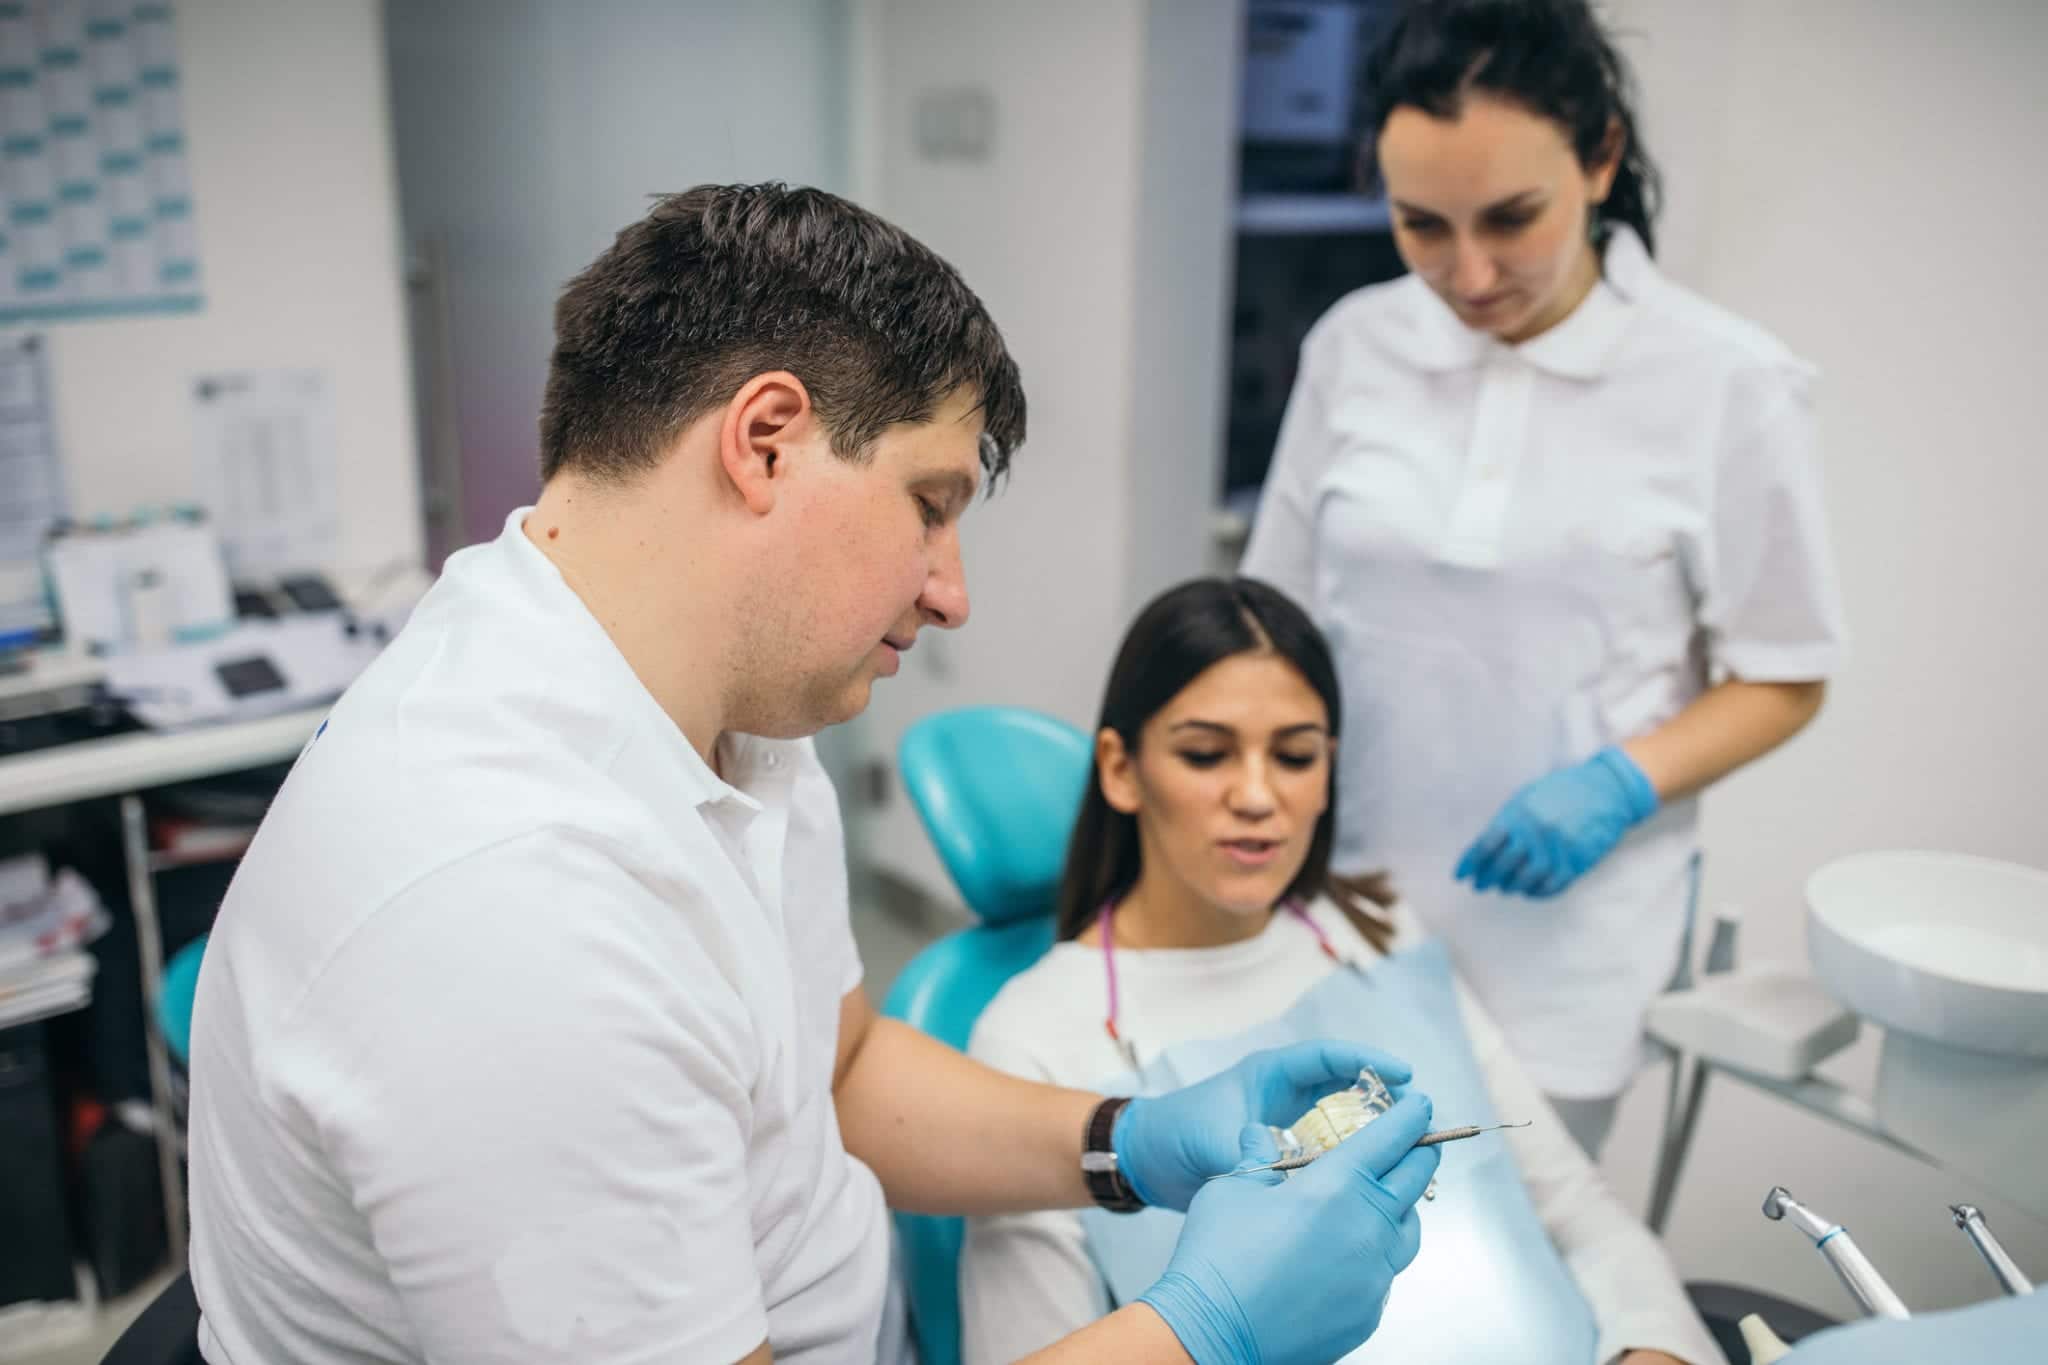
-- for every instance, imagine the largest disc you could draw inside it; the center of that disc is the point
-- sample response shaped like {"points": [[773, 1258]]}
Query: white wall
{"points": [[1180, 332], [1865, 180], [288, 131], [530, 131], [1096, 230]]}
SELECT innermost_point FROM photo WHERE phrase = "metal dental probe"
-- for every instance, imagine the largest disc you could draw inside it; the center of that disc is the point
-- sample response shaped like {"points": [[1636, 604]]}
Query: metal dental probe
{"points": [[1460, 1134], [1295, 1163]]}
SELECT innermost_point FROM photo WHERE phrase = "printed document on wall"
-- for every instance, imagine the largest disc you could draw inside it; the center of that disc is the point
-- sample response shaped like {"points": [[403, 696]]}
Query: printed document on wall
{"points": [[31, 484], [266, 468]]}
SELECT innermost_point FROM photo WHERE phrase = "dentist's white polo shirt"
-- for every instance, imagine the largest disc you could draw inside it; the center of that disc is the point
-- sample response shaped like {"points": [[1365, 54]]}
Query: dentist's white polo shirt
{"points": [[515, 1036]]}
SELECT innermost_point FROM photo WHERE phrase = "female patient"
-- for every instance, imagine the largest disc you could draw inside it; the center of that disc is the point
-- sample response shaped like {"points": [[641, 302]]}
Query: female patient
{"points": [[1198, 903]]}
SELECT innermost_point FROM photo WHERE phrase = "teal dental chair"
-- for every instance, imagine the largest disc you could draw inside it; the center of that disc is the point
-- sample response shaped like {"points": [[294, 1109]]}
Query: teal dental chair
{"points": [[997, 788], [174, 1002]]}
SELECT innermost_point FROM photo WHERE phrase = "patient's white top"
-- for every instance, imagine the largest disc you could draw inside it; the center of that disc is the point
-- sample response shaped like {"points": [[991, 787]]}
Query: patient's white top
{"points": [[1026, 1280], [516, 1033]]}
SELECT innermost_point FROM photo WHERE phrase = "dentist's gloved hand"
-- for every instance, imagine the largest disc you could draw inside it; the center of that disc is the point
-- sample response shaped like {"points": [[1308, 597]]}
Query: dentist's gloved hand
{"points": [[1168, 1145], [1551, 832], [1274, 1270]]}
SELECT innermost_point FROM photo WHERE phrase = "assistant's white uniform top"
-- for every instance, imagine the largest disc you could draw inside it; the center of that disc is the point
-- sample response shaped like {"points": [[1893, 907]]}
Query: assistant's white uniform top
{"points": [[516, 1033], [1522, 554]]}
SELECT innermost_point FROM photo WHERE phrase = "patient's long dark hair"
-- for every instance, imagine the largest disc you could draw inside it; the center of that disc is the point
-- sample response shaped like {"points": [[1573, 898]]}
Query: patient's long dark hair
{"points": [[1177, 638]]}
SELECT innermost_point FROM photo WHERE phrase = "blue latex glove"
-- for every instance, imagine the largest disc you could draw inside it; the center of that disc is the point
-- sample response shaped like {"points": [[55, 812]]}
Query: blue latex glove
{"points": [[1279, 1272], [1168, 1145], [1551, 832]]}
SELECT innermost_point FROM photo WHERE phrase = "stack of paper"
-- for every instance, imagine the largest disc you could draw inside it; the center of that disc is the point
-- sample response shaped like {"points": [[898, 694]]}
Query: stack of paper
{"points": [[45, 923], [140, 586]]}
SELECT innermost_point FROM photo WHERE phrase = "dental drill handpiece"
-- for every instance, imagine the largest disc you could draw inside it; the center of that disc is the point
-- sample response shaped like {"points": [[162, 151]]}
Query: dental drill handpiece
{"points": [[1859, 1277], [2010, 1277]]}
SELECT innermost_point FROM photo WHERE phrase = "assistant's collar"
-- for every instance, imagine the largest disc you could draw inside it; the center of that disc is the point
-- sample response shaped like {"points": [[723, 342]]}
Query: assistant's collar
{"points": [[1581, 347]]}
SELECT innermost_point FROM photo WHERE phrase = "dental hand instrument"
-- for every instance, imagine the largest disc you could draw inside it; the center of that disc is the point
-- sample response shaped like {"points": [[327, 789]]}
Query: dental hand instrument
{"points": [[1859, 1277], [2010, 1277], [1295, 1163], [1469, 1130]]}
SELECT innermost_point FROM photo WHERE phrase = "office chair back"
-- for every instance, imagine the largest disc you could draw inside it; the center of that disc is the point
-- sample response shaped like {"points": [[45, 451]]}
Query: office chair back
{"points": [[167, 1332]]}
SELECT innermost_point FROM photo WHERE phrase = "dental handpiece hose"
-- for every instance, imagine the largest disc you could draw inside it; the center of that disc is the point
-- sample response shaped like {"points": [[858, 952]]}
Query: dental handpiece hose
{"points": [[2010, 1277], [1858, 1275]]}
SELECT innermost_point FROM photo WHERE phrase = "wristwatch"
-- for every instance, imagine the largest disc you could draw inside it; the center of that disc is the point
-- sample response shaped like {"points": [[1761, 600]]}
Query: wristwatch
{"points": [[1099, 1167]]}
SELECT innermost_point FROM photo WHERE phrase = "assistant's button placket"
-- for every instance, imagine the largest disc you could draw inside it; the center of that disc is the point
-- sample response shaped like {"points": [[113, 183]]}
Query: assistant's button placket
{"points": [[1500, 421]]}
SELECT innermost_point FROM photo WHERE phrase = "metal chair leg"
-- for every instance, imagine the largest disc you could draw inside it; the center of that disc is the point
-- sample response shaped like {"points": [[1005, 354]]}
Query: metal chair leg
{"points": [[150, 946], [1681, 1120]]}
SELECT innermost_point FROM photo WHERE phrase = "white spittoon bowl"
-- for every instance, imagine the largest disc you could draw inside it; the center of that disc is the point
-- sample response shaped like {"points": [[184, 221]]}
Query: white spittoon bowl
{"points": [[1948, 947]]}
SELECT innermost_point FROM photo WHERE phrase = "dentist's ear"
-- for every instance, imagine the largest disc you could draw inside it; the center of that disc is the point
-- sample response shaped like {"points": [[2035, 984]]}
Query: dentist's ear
{"points": [[763, 424], [1116, 772]]}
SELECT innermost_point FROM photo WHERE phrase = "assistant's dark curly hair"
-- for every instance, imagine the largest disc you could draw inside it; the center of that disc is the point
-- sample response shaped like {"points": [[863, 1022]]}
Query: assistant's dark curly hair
{"points": [[1552, 57]]}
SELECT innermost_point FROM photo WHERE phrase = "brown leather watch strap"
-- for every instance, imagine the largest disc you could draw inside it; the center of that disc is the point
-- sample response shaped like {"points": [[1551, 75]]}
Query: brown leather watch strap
{"points": [[1099, 1167]]}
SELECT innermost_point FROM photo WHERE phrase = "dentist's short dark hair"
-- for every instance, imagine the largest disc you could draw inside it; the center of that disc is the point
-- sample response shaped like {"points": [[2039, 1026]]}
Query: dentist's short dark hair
{"points": [[724, 282]]}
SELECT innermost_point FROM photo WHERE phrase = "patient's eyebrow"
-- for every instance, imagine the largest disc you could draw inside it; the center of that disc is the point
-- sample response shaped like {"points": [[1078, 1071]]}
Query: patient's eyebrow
{"points": [[1307, 727]]}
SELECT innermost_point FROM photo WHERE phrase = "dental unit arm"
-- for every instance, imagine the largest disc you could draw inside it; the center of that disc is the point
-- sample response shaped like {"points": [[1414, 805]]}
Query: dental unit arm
{"points": [[2010, 1277]]}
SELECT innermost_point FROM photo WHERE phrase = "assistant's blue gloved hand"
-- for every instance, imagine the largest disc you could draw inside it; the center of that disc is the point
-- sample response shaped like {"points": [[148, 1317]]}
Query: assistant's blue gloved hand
{"points": [[1295, 1270], [1551, 832], [1167, 1145]]}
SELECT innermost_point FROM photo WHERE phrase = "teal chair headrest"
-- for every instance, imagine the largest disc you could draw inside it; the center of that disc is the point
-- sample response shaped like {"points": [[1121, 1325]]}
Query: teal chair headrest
{"points": [[174, 1001], [997, 788]]}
